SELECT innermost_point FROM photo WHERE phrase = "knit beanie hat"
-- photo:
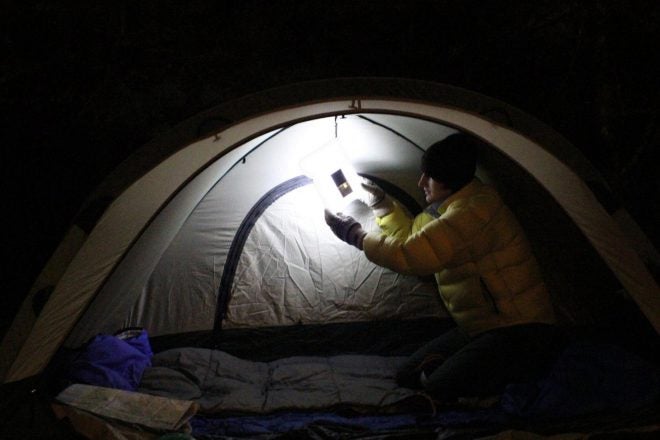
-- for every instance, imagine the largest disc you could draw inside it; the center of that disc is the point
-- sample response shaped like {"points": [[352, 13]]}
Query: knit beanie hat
{"points": [[452, 161]]}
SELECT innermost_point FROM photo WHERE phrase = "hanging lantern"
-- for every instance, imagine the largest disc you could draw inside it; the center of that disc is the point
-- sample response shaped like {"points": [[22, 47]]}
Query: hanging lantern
{"points": [[334, 177]]}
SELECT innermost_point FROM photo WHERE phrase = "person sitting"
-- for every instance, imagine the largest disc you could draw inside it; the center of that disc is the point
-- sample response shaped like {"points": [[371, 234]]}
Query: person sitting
{"points": [[487, 277]]}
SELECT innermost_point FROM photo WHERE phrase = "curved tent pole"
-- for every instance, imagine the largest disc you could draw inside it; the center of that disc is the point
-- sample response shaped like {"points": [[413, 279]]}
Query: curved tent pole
{"points": [[224, 292]]}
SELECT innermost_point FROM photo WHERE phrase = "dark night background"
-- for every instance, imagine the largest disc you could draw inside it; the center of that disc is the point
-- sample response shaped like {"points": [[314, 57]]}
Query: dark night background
{"points": [[83, 84]]}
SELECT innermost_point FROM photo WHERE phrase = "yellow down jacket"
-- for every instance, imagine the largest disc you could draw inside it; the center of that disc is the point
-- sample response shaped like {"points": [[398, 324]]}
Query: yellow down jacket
{"points": [[486, 273]]}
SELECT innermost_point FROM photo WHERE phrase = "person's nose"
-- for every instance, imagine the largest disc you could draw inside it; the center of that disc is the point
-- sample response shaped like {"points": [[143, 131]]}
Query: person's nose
{"points": [[422, 181]]}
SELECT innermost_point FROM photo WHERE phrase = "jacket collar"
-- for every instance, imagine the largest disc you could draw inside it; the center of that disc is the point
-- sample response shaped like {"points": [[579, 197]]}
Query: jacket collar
{"points": [[468, 190]]}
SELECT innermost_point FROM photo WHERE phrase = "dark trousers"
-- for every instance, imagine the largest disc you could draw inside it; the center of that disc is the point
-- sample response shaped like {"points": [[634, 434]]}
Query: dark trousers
{"points": [[456, 365]]}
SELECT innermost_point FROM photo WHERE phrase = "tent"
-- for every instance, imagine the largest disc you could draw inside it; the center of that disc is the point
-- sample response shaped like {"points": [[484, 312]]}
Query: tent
{"points": [[215, 227]]}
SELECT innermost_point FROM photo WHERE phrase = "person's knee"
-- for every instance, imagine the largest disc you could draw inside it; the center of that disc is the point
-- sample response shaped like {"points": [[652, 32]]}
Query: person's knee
{"points": [[457, 378], [416, 374], [408, 378]]}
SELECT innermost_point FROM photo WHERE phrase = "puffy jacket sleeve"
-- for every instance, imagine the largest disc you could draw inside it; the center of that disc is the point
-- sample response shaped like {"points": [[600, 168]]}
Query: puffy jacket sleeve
{"points": [[430, 249], [396, 224], [419, 254]]}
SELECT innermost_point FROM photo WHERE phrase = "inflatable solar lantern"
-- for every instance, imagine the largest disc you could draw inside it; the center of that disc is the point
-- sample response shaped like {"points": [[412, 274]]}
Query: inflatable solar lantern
{"points": [[333, 175]]}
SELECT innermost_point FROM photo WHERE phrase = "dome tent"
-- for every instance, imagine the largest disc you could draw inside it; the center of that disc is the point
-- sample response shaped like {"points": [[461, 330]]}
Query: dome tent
{"points": [[214, 227]]}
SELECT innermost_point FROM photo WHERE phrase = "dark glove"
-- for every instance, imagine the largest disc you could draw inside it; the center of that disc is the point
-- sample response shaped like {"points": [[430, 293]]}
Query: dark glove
{"points": [[346, 228], [377, 200]]}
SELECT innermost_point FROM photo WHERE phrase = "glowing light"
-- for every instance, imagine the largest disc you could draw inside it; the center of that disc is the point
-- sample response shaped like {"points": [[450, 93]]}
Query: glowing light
{"points": [[334, 177]]}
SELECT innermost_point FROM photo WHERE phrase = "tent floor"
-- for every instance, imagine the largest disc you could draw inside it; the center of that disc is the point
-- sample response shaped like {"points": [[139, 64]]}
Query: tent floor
{"points": [[394, 338], [385, 338]]}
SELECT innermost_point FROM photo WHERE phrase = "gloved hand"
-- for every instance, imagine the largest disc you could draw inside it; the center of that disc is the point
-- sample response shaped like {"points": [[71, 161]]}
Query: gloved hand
{"points": [[346, 228], [377, 200]]}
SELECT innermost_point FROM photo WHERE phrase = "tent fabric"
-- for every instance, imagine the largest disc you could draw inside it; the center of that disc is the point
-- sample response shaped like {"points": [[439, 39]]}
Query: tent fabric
{"points": [[302, 289], [264, 344], [25, 317], [237, 246], [139, 265]]}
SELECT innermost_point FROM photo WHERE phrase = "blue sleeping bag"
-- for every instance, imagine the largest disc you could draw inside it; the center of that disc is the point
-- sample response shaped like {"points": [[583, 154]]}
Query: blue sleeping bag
{"points": [[587, 378], [113, 361]]}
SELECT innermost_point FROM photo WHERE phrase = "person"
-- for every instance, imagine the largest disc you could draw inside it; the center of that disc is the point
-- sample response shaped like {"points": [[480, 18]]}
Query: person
{"points": [[487, 277]]}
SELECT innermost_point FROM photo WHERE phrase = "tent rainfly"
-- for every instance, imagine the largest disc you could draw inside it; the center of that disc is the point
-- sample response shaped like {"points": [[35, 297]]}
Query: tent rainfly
{"points": [[215, 226]]}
